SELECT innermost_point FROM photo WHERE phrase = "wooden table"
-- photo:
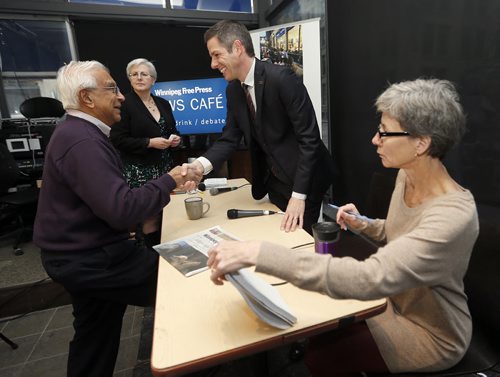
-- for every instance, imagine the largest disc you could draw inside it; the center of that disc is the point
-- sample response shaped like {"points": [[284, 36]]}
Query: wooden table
{"points": [[198, 324]]}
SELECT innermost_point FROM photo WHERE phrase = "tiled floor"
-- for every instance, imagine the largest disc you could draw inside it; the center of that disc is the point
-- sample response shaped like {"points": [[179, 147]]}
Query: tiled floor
{"points": [[43, 339], [20, 269], [43, 336]]}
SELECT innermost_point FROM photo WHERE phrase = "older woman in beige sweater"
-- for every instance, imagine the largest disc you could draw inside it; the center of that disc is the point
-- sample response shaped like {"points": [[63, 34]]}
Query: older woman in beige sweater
{"points": [[429, 234]]}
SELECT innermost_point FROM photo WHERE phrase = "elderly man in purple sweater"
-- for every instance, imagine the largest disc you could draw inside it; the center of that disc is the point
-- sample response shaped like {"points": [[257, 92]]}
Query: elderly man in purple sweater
{"points": [[84, 212]]}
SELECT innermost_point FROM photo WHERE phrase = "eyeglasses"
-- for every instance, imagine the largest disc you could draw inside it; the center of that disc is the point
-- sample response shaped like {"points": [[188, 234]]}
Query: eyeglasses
{"points": [[139, 74], [389, 134], [114, 89]]}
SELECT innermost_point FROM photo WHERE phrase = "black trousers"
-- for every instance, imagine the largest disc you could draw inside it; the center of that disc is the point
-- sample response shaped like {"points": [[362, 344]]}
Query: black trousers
{"points": [[279, 195], [102, 282]]}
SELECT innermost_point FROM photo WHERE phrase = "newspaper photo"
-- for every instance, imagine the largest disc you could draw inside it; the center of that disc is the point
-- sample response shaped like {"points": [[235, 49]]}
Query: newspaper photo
{"points": [[189, 254]]}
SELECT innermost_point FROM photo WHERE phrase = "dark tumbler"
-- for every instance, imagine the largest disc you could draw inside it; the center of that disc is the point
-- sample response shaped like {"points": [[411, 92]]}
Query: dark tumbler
{"points": [[325, 235]]}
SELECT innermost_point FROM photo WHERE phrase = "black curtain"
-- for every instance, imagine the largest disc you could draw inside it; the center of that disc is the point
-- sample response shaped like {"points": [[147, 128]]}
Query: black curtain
{"points": [[178, 52], [374, 43]]}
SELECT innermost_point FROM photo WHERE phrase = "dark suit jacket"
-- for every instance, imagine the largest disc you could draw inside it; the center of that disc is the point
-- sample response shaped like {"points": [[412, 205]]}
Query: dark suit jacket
{"points": [[131, 135], [287, 125]]}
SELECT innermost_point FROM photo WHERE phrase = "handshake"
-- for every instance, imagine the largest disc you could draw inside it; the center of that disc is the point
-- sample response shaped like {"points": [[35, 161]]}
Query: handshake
{"points": [[187, 176]]}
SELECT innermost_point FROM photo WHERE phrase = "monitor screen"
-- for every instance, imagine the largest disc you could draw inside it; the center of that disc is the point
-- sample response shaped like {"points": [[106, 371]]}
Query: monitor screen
{"points": [[27, 142], [17, 145], [199, 106]]}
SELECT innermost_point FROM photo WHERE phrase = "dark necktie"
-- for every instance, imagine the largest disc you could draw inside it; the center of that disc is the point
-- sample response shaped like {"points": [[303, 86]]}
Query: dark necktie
{"points": [[250, 105]]}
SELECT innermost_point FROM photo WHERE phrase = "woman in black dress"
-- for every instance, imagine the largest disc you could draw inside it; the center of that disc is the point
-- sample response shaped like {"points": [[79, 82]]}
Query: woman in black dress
{"points": [[145, 135]]}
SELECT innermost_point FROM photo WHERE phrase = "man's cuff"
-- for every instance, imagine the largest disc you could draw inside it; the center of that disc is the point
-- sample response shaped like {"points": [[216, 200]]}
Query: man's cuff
{"points": [[207, 165], [297, 195]]}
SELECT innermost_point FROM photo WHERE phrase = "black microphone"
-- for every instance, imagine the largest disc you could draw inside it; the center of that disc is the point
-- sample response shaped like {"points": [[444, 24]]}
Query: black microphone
{"points": [[218, 190], [239, 213]]}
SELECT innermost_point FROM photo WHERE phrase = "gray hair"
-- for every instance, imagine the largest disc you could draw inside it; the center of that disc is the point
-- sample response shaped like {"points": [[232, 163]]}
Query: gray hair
{"points": [[73, 77], [426, 108], [227, 32], [146, 62]]}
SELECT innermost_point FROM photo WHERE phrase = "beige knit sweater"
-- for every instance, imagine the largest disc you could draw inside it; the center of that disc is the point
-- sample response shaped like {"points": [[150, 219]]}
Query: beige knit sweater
{"points": [[427, 324]]}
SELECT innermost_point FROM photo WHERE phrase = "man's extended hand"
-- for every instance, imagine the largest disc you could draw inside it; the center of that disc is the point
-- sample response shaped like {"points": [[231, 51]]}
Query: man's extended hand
{"points": [[294, 215], [195, 166], [186, 178]]}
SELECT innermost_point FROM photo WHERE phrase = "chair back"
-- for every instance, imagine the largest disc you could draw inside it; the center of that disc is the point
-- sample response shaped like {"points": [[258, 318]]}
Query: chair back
{"points": [[42, 107], [483, 279]]}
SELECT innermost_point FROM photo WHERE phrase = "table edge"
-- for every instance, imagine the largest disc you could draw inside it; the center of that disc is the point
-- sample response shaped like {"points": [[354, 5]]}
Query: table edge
{"points": [[265, 345]]}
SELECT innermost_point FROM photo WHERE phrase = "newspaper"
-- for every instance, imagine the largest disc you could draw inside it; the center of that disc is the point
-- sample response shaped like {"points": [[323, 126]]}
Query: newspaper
{"points": [[189, 256], [263, 299]]}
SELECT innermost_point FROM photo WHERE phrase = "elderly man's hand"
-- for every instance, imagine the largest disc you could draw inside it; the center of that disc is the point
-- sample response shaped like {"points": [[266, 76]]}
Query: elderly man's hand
{"points": [[186, 178]]}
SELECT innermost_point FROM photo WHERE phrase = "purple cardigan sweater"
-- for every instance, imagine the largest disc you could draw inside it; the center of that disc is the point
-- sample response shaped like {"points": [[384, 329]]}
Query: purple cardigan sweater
{"points": [[84, 201]]}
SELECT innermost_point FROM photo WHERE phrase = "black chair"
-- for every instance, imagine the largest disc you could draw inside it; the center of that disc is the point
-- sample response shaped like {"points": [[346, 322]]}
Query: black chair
{"points": [[41, 107]]}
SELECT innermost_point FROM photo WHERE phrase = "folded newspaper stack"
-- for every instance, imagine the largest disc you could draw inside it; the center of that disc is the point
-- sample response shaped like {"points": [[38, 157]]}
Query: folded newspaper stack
{"points": [[263, 299]]}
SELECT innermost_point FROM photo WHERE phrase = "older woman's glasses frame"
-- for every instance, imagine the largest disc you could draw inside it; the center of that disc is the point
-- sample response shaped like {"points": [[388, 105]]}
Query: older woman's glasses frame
{"points": [[139, 74], [382, 134]]}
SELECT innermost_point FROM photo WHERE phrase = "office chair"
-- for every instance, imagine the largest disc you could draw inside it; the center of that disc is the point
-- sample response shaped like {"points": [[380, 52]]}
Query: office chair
{"points": [[13, 206], [41, 107]]}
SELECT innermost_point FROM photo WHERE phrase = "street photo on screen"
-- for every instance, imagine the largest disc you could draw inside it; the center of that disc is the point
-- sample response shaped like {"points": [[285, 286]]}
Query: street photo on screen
{"points": [[283, 46]]}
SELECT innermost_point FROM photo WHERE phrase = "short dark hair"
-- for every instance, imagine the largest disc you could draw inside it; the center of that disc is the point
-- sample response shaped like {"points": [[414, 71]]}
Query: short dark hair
{"points": [[228, 31]]}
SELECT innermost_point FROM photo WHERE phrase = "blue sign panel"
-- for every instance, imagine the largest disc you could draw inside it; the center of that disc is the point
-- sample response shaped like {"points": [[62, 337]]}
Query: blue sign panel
{"points": [[199, 106]]}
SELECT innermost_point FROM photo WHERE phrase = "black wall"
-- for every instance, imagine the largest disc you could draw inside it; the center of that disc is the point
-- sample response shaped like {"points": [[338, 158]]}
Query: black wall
{"points": [[373, 43], [178, 52]]}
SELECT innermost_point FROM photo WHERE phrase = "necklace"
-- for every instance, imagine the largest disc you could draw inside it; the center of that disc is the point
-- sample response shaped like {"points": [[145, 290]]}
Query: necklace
{"points": [[151, 105]]}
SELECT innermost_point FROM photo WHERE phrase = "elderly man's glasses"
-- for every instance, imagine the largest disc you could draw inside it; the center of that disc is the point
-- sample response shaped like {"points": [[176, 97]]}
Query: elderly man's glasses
{"points": [[389, 134], [139, 74], [115, 89]]}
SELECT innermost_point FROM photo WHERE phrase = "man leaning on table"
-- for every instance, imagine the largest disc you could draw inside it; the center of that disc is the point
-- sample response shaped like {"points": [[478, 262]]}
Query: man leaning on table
{"points": [[270, 108], [84, 212]]}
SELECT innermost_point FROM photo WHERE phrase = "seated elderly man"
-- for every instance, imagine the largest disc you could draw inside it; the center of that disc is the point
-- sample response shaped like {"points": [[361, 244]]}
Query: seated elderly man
{"points": [[84, 212]]}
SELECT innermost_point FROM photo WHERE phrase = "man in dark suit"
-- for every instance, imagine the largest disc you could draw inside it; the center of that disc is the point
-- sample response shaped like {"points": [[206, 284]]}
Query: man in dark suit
{"points": [[84, 212], [270, 108]]}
